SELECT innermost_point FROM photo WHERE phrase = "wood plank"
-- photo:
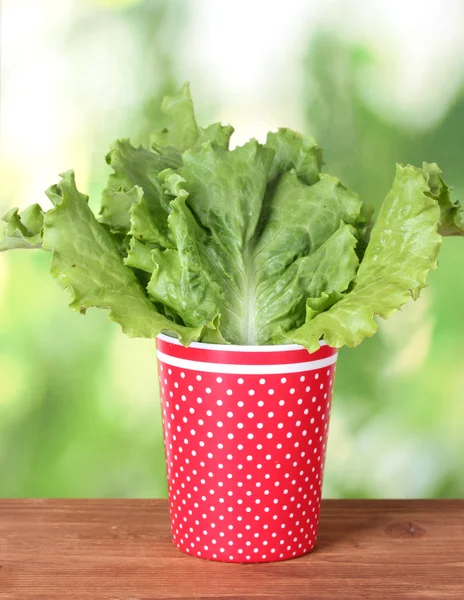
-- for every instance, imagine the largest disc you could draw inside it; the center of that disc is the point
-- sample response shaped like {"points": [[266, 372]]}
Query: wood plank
{"points": [[121, 550]]}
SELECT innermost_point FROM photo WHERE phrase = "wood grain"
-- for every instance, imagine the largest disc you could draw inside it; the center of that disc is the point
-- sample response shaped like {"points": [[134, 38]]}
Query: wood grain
{"points": [[121, 550]]}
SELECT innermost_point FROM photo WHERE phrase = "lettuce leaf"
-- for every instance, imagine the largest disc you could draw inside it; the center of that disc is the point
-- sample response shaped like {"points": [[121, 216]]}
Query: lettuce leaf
{"points": [[135, 178], [294, 151], [403, 248], [184, 132], [451, 213], [139, 256], [87, 261], [215, 211], [22, 231], [307, 247]]}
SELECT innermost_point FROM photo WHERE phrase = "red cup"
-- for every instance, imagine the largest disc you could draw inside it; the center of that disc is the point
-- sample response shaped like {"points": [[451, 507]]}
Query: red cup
{"points": [[245, 431]]}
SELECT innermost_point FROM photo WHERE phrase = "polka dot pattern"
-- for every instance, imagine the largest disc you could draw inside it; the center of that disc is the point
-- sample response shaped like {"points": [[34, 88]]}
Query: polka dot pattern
{"points": [[245, 464]]}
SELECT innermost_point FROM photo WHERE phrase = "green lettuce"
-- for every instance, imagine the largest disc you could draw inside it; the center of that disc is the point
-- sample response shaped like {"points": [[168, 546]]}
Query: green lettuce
{"points": [[22, 230], [402, 249], [451, 213], [255, 245]]}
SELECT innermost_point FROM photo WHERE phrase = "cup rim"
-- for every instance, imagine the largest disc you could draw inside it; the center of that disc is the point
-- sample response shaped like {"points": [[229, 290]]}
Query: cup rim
{"points": [[236, 347]]}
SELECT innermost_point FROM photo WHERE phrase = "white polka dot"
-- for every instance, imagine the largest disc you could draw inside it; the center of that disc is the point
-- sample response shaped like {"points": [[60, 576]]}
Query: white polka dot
{"points": [[240, 404], [240, 425], [230, 457], [240, 380], [229, 392], [219, 423], [208, 390], [230, 436], [209, 434], [261, 403], [316, 376], [290, 413], [302, 378], [251, 392], [262, 381], [259, 425], [209, 413], [250, 415], [283, 380], [199, 400], [219, 379], [201, 422], [219, 403], [281, 402], [230, 414], [270, 392], [292, 390], [269, 436], [190, 388], [280, 425], [192, 432]]}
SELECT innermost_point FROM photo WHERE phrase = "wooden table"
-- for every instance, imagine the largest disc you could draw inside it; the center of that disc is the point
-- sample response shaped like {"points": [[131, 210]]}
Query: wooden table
{"points": [[121, 550]]}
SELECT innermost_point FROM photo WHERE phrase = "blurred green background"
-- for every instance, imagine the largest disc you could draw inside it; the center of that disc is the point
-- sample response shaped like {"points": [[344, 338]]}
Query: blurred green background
{"points": [[376, 83]]}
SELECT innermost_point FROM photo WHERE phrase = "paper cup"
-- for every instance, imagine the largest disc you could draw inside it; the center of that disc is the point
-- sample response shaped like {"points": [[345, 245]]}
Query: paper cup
{"points": [[245, 430]]}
